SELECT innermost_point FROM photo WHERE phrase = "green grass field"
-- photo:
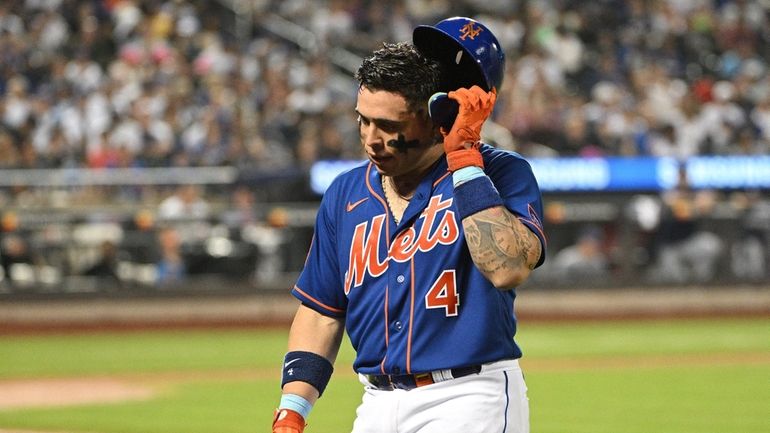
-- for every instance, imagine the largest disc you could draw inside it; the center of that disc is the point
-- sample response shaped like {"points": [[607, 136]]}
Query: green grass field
{"points": [[687, 376]]}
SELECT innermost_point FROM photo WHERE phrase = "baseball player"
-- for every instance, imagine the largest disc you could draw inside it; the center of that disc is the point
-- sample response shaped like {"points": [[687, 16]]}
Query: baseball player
{"points": [[417, 252]]}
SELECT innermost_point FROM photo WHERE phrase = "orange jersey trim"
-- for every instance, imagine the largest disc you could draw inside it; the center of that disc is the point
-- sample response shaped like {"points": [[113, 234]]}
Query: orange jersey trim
{"points": [[387, 242], [438, 181], [382, 202], [319, 303]]}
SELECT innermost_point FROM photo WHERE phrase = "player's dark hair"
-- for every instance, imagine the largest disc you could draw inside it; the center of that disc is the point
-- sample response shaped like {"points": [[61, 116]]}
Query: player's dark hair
{"points": [[400, 68]]}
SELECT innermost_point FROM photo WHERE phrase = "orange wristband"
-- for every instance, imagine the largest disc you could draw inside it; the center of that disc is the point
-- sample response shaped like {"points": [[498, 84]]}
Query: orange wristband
{"points": [[462, 158]]}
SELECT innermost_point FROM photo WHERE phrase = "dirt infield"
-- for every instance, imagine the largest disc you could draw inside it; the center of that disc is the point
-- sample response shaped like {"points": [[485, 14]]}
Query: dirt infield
{"points": [[73, 391], [278, 309], [21, 393]]}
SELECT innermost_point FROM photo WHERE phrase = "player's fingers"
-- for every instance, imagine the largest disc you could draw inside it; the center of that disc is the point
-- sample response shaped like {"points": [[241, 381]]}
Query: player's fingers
{"points": [[470, 99], [464, 99], [479, 97], [478, 91], [460, 95], [486, 99]]}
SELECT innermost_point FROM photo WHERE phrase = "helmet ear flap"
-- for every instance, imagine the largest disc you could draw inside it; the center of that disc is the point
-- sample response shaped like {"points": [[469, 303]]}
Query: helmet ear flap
{"points": [[468, 51]]}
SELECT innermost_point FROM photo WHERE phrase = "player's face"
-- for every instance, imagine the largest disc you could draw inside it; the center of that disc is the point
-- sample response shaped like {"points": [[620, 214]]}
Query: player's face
{"points": [[398, 141]]}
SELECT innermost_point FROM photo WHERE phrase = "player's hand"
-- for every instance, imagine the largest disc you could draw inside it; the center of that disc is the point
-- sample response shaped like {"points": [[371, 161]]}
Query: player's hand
{"points": [[461, 144], [288, 421]]}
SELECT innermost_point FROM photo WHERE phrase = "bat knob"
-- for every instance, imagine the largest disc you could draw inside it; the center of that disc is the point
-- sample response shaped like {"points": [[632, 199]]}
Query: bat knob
{"points": [[443, 110]]}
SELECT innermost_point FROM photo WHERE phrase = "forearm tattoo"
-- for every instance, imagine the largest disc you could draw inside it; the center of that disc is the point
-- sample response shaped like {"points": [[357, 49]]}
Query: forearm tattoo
{"points": [[499, 242]]}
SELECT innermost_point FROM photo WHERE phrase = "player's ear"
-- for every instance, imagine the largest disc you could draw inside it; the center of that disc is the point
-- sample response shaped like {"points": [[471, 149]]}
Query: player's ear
{"points": [[438, 137]]}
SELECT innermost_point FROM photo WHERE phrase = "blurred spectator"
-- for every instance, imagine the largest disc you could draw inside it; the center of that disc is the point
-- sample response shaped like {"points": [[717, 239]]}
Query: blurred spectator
{"points": [[189, 212], [745, 142], [722, 116], [686, 251], [18, 107], [106, 266], [9, 155], [266, 237], [17, 258], [140, 240], [271, 240], [185, 203], [242, 210], [171, 267], [749, 253], [662, 141], [584, 260]]}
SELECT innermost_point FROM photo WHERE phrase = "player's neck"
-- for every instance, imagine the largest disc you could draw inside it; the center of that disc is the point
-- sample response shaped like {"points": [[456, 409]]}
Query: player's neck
{"points": [[405, 185], [403, 189]]}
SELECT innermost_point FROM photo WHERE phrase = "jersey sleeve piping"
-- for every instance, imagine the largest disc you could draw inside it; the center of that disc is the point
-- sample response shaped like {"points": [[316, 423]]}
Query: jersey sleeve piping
{"points": [[315, 302], [533, 225]]}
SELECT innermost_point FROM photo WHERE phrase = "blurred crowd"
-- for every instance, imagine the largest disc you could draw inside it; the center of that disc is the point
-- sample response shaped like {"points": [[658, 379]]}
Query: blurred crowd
{"points": [[122, 83], [173, 83]]}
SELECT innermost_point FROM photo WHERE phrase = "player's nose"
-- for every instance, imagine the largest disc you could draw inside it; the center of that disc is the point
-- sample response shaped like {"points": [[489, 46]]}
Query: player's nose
{"points": [[370, 136]]}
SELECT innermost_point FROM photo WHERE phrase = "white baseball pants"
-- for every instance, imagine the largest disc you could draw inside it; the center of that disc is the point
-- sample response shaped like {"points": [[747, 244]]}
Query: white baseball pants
{"points": [[495, 400]]}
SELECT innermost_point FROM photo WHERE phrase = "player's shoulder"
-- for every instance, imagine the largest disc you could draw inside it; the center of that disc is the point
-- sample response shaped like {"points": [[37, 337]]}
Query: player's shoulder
{"points": [[494, 157]]}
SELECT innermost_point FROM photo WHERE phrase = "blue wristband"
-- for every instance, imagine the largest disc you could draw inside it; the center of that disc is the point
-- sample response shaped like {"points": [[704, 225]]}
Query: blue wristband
{"points": [[476, 195], [465, 174], [307, 367], [296, 403]]}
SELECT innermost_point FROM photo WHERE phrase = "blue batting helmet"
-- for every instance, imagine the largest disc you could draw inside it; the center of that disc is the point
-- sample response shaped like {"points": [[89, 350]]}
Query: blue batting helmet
{"points": [[469, 52]]}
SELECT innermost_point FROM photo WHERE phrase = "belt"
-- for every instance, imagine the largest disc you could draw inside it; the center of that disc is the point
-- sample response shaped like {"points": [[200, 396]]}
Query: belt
{"points": [[389, 382]]}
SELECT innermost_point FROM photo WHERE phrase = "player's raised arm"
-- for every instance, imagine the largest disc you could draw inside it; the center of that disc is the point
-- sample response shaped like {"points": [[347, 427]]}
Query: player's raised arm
{"points": [[503, 249], [314, 340]]}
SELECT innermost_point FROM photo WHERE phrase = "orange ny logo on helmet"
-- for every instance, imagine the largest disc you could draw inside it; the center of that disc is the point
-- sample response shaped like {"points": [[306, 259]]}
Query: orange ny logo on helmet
{"points": [[469, 31]]}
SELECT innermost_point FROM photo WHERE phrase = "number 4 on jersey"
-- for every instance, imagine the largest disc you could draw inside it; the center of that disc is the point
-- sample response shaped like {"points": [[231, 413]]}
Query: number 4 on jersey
{"points": [[443, 294]]}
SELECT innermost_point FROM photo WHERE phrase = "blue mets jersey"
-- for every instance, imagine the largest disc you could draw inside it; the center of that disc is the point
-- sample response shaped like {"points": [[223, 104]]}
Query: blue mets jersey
{"points": [[412, 299]]}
